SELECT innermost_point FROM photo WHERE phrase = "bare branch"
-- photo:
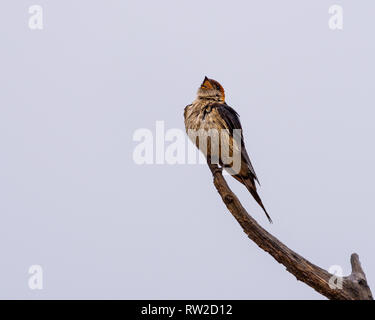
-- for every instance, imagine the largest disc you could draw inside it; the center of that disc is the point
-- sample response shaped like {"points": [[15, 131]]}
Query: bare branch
{"points": [[354, 286]]}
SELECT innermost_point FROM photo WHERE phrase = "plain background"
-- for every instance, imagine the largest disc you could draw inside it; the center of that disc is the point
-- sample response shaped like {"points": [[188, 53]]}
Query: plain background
{"points": [[72, 199]]}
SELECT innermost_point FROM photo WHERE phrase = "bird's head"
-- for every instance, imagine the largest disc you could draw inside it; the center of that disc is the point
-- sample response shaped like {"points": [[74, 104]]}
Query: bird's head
{"points": [[212, 90]]}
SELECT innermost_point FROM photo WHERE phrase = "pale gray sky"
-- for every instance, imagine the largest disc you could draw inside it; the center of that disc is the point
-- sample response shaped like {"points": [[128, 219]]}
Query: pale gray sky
{"points": [[72, 95]]}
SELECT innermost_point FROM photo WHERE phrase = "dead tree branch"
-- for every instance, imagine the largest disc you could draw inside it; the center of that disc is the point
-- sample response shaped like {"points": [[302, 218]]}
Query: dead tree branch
{"points": [[354, 286]]}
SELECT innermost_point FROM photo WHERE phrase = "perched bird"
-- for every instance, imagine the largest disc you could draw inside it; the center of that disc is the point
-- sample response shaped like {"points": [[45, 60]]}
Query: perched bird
{"points": [[210, 111]]}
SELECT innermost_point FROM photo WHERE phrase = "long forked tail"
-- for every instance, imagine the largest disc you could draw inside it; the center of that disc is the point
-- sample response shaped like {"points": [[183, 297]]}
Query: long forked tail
{"points": [[252, 189]]}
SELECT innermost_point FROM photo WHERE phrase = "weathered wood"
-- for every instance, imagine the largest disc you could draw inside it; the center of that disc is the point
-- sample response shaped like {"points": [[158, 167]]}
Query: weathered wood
{"points": [[354, 286]]}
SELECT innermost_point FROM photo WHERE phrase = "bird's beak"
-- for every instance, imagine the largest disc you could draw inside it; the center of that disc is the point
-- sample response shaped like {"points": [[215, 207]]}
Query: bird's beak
{"points": [[206, 84]]}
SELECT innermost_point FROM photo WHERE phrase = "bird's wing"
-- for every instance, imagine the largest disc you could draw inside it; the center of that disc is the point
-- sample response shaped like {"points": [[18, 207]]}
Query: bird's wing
{"points": [[186, 109], [232, 120]]}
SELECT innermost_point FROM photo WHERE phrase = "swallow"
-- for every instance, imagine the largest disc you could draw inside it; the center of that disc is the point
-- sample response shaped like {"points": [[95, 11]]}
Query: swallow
{"points": [[209, 111]]}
